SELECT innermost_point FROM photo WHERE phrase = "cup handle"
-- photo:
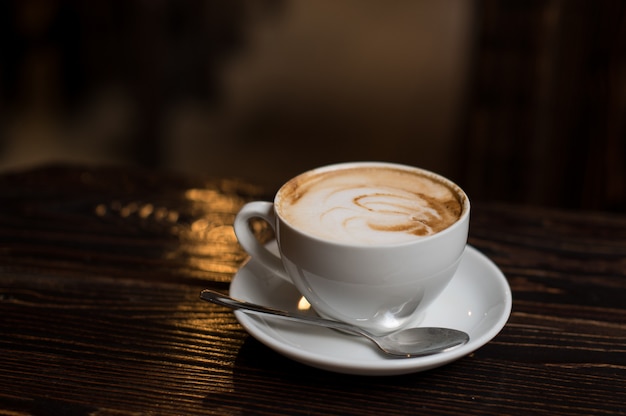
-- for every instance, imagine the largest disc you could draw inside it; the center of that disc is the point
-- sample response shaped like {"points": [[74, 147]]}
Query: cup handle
{"points": [[265, 211]]}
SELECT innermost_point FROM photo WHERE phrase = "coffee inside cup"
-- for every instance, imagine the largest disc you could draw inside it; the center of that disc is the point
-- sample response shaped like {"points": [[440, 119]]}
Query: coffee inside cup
{"points": [[370, 204]]}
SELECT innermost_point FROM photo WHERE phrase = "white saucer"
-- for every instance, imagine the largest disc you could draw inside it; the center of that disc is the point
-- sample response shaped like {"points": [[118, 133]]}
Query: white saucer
{"points": [[477, 300]]}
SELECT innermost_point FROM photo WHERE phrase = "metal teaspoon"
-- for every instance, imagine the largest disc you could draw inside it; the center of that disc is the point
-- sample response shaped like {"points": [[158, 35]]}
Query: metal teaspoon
{"points": [[407, 343]]}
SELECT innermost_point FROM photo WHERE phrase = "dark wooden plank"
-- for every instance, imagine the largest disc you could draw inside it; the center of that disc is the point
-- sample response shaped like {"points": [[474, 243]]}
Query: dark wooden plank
{"points": [[99, 310]]}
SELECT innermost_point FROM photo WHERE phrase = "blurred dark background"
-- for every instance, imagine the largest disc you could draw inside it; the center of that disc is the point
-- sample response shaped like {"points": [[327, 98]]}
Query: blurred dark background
{"points": [[518, 101]]}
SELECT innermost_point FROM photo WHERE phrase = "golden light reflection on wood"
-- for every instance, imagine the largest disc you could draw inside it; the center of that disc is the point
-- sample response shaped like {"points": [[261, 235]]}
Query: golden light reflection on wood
{"points": [[101, 210], [160, 213], [142, 210], [201, 225], [209, 265], [146, 210], [214, 200], [205, 229], [206, 239], [129, 209], [202, 195]]}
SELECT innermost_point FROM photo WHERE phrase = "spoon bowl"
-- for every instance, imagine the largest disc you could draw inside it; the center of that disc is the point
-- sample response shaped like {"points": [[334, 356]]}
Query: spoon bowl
{"points": [[407, 343]]}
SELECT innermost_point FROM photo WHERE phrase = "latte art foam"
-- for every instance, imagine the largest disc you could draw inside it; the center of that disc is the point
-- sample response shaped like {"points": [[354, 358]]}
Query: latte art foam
{"points": [[369, 205]]}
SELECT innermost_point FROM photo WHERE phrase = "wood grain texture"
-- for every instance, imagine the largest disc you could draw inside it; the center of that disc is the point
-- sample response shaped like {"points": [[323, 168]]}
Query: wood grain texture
{"points": [[101, 269]]}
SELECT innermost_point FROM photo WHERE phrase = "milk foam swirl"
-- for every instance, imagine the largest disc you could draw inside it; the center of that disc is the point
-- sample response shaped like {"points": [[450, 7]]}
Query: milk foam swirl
{"points": [[370, 205]]}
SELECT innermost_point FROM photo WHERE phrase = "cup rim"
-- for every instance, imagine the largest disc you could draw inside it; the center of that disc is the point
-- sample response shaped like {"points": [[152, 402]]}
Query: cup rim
{"points": [[465, 202]]}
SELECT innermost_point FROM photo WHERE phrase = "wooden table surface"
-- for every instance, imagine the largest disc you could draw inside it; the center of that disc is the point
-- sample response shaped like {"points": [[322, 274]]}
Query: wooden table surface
{"points": [[101, 268]]}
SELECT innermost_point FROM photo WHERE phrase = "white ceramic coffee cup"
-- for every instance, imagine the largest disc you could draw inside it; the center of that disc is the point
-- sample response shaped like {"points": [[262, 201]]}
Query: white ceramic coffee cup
{"points": [[379, 286]]}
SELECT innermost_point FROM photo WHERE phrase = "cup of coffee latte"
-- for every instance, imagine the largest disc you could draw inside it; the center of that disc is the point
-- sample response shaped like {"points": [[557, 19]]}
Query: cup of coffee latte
{"points": [[367, 243]]}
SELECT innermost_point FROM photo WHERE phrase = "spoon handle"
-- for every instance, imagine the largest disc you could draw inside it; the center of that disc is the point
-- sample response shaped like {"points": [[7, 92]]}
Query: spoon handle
{"points": [[220, 299]]}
